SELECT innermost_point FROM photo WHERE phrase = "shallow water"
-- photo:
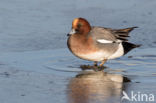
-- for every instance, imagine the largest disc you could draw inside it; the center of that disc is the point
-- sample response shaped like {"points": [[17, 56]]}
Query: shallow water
{"points": [[37, 67]]}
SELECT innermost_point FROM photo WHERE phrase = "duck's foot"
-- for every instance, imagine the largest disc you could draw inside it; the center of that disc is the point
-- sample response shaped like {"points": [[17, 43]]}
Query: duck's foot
{"points": [[100, 68], [85, 67], [95, 68]]}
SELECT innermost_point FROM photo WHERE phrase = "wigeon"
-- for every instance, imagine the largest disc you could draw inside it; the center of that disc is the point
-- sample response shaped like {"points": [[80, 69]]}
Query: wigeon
{"points": [[98, 44]]}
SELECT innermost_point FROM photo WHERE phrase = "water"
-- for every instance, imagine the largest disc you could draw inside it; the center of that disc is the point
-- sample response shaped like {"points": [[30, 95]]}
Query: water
{"points": [[37, 67]]}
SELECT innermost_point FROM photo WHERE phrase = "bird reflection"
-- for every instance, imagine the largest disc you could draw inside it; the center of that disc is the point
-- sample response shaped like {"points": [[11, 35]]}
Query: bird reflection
{"points": [[95, 87]]}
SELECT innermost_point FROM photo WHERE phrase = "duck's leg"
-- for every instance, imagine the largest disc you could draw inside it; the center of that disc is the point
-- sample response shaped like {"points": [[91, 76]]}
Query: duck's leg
{"points": [[103, 62], [95, 63]]}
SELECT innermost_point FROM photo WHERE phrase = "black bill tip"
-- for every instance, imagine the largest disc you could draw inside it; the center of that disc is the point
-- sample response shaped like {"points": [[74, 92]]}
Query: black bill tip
{"points": [[68, 34]]}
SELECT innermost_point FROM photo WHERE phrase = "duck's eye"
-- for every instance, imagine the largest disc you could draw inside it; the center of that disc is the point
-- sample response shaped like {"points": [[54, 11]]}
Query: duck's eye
{"points": [[79, 25]]}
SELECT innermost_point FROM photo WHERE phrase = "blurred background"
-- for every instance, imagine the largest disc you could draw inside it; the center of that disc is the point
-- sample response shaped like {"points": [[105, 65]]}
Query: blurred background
{"points": [[28, 25]]}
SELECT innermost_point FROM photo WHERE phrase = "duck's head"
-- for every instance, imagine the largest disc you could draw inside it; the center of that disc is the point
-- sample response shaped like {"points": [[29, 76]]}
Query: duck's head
{"points": [[80, 26]]}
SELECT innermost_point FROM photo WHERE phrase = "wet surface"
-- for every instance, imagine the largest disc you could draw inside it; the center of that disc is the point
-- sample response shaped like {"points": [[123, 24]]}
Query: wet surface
{"points": [[37, 67], [95, 87], [59, 77]]}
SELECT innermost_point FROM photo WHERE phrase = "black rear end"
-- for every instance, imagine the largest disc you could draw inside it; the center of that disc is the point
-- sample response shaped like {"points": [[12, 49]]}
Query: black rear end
{"points": [[129, 46]]}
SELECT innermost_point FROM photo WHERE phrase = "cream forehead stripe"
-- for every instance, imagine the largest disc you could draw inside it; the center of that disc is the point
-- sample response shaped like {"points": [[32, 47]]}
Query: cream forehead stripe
{"points": [[75, 22]]}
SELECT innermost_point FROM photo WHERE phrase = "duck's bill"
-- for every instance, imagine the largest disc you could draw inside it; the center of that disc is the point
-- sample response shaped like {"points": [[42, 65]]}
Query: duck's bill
{"points": [[68, 34], [71, 32]]}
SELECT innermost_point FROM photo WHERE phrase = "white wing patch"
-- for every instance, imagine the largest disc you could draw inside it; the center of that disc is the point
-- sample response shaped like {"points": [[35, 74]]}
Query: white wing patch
{"points": [[104, 41]]}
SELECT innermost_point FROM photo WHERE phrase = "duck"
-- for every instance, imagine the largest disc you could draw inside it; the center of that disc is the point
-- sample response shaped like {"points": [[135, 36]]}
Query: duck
{"points": [[98, 44]]}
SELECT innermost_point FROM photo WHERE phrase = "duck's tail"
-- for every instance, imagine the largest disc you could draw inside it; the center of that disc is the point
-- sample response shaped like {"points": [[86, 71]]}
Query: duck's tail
{"points": [[122, 34]]}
